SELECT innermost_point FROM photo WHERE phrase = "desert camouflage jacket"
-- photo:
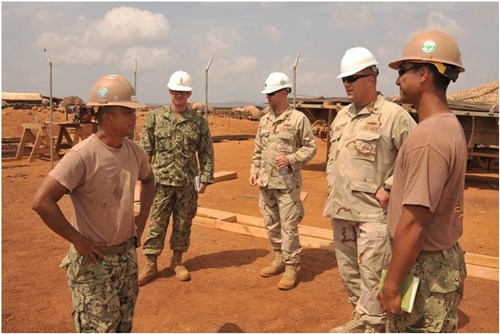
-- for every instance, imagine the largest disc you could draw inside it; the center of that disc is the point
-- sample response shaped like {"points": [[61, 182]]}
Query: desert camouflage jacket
{"points": [[363, 150], [289, 134], [174, 145]]}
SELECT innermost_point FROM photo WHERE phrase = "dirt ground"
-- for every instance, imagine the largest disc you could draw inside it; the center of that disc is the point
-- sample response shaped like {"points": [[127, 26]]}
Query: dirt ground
{"points": [[226, 293]]}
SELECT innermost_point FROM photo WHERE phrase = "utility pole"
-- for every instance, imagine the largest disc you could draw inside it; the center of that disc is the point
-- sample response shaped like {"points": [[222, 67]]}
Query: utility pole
{"points": [[206, 86], [135, 76], [50, 140], [135, 87], [295, 78]]}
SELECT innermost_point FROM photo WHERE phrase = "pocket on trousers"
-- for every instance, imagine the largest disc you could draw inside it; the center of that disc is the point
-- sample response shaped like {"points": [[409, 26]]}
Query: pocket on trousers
{"points": [[78, 301], [445, 282]]}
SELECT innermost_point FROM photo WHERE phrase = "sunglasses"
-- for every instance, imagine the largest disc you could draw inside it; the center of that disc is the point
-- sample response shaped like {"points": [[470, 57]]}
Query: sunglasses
{"points": [[271, 94], [178, 92], [354, 78], [402, 70]]}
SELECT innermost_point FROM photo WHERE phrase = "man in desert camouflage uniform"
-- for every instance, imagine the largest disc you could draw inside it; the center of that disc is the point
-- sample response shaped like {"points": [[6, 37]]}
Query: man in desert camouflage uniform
{"points": [[174, 137], [365, 138], [283, 145], [425, 218], [100, 175]]}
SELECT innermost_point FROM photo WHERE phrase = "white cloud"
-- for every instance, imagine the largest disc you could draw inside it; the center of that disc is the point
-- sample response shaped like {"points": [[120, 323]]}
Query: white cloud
{"points": [[80, 56], [127, 26], [147, 58], [220, 39], [272, 32], [106, 40], [357, 16], [49, 17], [439, 21], [241, 64]]}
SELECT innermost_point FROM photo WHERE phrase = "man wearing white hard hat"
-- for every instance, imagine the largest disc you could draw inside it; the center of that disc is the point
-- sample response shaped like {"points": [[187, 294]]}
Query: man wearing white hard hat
{"points": [[175, 138], [283, 145], [365, 138], [100, 174]]}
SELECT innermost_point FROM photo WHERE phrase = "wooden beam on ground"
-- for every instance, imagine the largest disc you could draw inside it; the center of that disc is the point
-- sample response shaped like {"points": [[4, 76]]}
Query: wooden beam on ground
{"points": [[480, 266], [218, 177], [224, 176], [482, 260], [482, 272]]}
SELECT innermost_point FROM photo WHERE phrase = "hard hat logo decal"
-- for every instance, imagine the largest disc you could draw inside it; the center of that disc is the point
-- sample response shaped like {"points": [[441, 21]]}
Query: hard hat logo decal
{"points": [[282, 82], [102, 92], [428, 46]]}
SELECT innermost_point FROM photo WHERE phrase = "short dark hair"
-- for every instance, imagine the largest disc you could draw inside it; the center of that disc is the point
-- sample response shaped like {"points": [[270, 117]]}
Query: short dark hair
{"points": [[440, 81]]}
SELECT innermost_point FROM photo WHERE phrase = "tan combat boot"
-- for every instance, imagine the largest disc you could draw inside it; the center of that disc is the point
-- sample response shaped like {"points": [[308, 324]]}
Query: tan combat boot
{"points": [[289, 279], [274, 268], [354, 325], [181, 272], [150, 270]]}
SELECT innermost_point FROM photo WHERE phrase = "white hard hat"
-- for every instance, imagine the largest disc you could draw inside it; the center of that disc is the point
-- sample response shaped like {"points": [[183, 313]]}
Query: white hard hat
{"points": [[180, 81], [355, 60], [276, 81]]}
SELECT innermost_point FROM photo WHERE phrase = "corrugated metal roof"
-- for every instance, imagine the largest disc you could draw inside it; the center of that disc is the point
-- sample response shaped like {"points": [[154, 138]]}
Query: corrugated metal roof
{"points": [[21, 96]]}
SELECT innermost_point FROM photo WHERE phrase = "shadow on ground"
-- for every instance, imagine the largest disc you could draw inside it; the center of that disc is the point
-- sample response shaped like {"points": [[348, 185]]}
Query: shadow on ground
{"points": [[463, 319], [315, 262], [225, 259], [230, 327]]}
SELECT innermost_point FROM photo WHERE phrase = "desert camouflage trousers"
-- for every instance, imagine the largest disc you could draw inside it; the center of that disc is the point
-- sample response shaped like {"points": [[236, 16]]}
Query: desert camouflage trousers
{"points": [[282, 211], [439, 293], [362, 250], [103, 294], [179, 202]]}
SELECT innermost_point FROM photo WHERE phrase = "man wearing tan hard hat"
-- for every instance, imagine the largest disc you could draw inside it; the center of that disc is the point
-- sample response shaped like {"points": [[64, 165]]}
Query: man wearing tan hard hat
{"points": [[365, 138], [100, 174], [425, 218]]}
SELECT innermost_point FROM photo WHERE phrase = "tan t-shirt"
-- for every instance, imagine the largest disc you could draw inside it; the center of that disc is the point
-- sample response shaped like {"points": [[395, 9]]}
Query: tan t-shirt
{"points": [[101, 181], [430, 172]]}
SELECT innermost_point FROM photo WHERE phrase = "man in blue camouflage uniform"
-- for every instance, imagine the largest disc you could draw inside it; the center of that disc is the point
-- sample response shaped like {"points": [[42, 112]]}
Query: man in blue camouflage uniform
{"points": [[175, 139], [425, 219], [283, 145], [365, 138]]}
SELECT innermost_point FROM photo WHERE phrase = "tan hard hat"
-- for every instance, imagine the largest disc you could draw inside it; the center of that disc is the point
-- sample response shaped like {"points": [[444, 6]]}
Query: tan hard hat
{"points": [[435, 47], [113, 90]]}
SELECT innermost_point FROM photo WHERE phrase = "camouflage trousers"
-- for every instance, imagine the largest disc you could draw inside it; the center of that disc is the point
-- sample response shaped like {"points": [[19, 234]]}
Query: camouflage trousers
{"points": [[179, 202], [103, 294], [439, 293], [362, 250], [282, 211]]}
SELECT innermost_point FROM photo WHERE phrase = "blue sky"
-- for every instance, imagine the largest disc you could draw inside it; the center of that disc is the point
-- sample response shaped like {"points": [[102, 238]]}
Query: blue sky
{"points": [[247, 41]]}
